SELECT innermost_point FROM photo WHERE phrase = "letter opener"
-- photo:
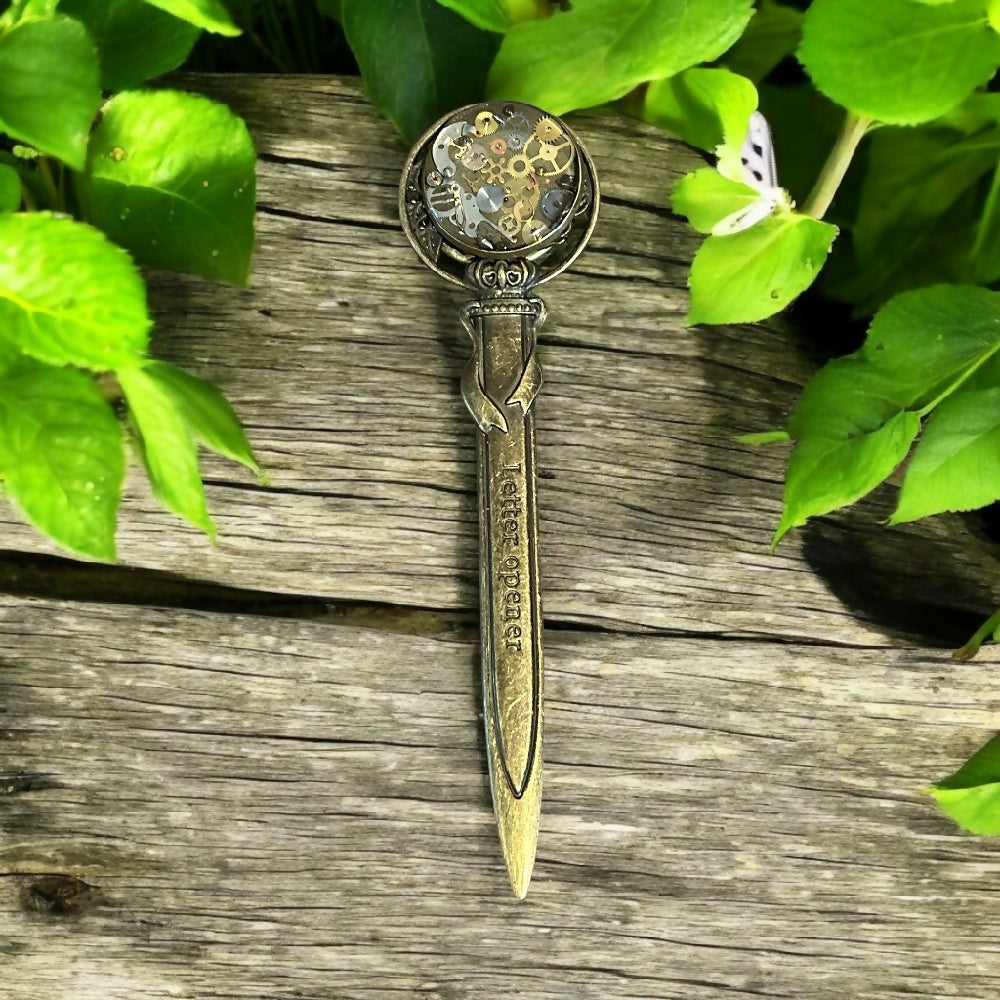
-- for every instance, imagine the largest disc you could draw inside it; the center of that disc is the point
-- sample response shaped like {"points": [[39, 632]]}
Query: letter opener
{"points": [[499, 198]]}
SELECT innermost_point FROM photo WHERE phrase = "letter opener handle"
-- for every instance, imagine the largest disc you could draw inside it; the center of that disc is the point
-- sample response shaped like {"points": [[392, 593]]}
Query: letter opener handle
{"points": [[499, 198]]}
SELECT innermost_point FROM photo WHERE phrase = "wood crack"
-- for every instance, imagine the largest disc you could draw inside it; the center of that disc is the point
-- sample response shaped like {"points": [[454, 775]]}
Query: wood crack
{"points": [[353, 223]]}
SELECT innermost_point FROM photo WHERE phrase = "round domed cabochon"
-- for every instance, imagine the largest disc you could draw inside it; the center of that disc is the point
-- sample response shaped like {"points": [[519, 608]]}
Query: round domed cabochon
{"points": [[501, 177]]}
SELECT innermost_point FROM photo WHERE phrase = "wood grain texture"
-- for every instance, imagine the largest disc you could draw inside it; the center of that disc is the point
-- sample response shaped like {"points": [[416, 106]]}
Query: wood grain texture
{"points": [[297, 809], [344, 360], [208, 805]]}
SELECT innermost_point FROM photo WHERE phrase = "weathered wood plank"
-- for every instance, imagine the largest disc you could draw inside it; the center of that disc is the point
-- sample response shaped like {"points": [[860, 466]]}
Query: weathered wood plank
{"points": [[344, 359], [277, 809]]}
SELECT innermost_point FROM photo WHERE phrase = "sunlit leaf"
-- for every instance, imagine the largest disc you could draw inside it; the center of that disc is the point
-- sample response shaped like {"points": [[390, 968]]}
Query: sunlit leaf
{"points": [[598, 50], [859, 415], [705, 197], [704, 107], [753, 274], [208, 14], [49, 89], [61, 456], [486, 14], [971, 796], [67, 295], [206, 412], [168, 450], [170, 176], [898, 61], [956, 465]]}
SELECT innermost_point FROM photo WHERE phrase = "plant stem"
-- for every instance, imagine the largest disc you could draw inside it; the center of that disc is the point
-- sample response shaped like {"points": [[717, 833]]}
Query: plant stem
{"points": [[830, 177], [983, 230], [258, 43], [109, 387], [50, 184], [970, 649], [28, 199]]}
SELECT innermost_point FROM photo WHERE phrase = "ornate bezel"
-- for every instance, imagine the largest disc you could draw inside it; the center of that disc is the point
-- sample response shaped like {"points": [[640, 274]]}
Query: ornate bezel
{"points": [[551, 256]]}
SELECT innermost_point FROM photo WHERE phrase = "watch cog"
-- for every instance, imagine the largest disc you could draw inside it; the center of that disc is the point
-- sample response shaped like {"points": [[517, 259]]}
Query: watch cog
{"points": [[548, 158], [508, 225], [516, 130], [486, 123], [547, 130], [518, 165], [494, 172]]}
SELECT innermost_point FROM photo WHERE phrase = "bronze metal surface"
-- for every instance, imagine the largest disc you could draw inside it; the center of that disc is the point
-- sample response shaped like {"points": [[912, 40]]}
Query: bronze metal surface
{"points": [[534, 172]]}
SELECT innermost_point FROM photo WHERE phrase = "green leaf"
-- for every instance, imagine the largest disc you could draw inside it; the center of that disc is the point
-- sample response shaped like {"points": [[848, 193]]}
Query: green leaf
{"points": [[753, 274], [168, 450], [939, 256], [915, 224], [772, 34], [858, 416], [979, 109], [49, 89], [61, 456], [418, 59], [35, 190], [840, 460], [598, 50], [486, 14], [956, 465], [173, 411], [27, 10], [705, 197], [170, 176], [971, 796], [897, 61], [704, 107], [206, 412], [208, 14], [913, 177], [10, 189], [67, 295], [135, 41]]}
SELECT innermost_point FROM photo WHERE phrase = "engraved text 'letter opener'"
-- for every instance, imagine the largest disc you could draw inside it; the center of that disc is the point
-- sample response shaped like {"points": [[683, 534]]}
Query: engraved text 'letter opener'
{"points": [[499, 198]]}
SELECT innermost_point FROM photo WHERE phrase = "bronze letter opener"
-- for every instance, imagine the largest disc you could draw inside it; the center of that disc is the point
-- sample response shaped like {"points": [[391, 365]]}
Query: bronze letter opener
{"points": [[499, 198]]}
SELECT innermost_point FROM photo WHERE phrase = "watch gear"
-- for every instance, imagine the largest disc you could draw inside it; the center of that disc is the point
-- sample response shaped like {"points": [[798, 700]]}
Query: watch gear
{"points": [[486, 123], [547, 130], [518, 165]]}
